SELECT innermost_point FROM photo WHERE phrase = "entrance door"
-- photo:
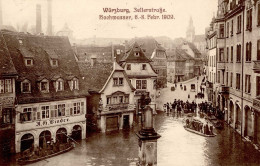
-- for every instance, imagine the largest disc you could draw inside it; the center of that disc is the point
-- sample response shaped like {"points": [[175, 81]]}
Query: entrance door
{"points": [[61, 135], [44, 138], [112, 123], [27, 142], [76, 132], [126, 123]]}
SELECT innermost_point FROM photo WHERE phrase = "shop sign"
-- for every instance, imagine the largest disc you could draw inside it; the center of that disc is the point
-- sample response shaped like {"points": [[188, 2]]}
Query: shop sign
{"points": [[51, 122]]}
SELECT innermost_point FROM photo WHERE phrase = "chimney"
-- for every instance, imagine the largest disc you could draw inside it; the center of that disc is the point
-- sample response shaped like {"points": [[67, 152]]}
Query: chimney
{"points": [[93, 60], [49, 27], [1, 15], [38, 19]]}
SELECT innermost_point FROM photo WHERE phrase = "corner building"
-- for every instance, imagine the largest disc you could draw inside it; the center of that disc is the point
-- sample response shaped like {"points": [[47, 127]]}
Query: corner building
{"points": [[51, 102]]}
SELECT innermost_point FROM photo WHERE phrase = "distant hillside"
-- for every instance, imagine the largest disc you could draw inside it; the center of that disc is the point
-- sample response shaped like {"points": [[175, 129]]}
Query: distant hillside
{"points": [[101, 41]]}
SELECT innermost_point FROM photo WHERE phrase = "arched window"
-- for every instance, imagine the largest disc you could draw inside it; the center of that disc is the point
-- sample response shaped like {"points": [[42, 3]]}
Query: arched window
{"points": [[26, 86], [74, 84]]}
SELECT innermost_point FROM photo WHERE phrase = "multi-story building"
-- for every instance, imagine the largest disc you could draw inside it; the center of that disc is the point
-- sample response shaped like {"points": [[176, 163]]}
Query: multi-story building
{"points": [[157, 54], [111, 101], [141, 74], [51, 101], [176, 64], [8, 75], [211, 63], [238, 65]]}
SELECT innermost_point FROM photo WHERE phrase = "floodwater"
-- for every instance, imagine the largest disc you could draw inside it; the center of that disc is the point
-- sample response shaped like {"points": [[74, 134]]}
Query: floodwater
{"points": [[176, 147]]}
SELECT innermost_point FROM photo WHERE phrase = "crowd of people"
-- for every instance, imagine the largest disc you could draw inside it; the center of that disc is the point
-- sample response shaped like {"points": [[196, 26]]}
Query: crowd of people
{"points": [[209, 109], [180, 106]]}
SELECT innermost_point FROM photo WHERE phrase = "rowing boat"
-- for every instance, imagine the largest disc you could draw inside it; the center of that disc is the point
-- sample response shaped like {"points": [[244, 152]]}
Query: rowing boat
{"points": [[199, 133]]}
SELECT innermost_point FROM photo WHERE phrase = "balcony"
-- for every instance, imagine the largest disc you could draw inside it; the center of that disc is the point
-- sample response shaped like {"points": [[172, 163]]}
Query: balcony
{"points": [[224, 90], [256, 103], [221, 65], [256, 66], [141, 92]]}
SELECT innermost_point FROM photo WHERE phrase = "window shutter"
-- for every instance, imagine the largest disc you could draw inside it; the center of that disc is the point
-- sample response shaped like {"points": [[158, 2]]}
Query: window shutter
{"points": [[82, 108], [67, 110], [34, 116]]}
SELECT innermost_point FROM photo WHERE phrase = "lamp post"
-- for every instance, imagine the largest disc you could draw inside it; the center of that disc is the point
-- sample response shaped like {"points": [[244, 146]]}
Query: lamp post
{"points": [[147, 135]]}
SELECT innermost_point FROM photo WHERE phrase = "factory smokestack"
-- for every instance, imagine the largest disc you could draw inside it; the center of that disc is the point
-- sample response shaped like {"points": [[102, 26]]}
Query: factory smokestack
{"points": [[49, 27], [38, 19]]}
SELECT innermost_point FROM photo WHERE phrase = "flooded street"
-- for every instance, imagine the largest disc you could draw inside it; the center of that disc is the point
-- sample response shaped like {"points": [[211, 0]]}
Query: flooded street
{"points": [[176, 147]]}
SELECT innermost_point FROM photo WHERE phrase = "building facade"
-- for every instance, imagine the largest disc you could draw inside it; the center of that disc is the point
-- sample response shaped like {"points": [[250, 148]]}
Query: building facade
{"points": [[238, 65], [141, 74], [8, 75], [51, 101]]}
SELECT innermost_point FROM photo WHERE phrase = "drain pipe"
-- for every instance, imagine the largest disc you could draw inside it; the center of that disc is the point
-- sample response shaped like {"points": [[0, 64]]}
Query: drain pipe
{"points": [[242, 95]]}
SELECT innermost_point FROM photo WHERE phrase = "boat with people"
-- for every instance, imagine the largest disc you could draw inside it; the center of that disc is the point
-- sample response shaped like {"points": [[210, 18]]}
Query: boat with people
{"points": [[33, 157], [47, 150], [199, 126]]}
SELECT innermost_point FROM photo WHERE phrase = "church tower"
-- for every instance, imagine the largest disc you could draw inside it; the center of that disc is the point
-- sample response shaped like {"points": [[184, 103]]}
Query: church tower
{"points": [[190, 33]]}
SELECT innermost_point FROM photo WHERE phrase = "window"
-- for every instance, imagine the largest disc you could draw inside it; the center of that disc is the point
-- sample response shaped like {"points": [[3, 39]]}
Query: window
{"points": [[6, 117], [232, 26], [238, 53], [26, 86], [121, 99], [227, 54], [61, 110], [121, 81], [26, 115], [114, 101], [248, 84], [136, 54], [257, 86], [144, 84], [249, 20], [218, 77], [54, 110], [118, 81], [248, 51], [227, 79], [76, 108], [59, 85], [227, 30], [108, 100], [54, 62], [258, 14], [231, 54], [141, 84], [221, 30], [258, 50], [221, 55], [74, 84], [238, 81], [45, 112], [20, 41], [6, 86], [126, 99], [128, 67], [239, 24], [28, 62], [231, 79], [143, 66], [44, 86], [118, 51]]}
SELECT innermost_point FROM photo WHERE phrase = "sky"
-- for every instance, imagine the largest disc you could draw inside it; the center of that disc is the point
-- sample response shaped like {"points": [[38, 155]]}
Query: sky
{"points": [[82, 16]]}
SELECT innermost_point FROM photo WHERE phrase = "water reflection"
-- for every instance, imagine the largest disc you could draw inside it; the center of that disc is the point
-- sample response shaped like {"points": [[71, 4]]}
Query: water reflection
{"points": [[176, 147]]}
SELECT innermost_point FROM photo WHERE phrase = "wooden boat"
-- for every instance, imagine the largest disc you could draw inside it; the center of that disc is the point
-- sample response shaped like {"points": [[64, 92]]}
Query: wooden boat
{"points": [[28, 160], [199, 133], [218, 124]]}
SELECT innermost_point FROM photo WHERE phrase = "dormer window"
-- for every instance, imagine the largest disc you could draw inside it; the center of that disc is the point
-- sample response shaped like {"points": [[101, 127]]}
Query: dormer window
{"points": [[74, 84], [44, 86], [26, 86], [28, 62], [118, 51], [54, 62], [59, 85], [137, 54]]}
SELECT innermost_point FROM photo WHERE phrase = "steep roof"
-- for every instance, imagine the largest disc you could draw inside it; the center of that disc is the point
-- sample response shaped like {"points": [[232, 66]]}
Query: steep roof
{"points": [[6, 65], [175, 55], [130, 55], [194, 49], [95, 76], [24, 45]]}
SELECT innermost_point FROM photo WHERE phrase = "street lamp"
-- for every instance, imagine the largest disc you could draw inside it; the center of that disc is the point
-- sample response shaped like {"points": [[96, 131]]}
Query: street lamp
{"points": [[147, 135]]}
